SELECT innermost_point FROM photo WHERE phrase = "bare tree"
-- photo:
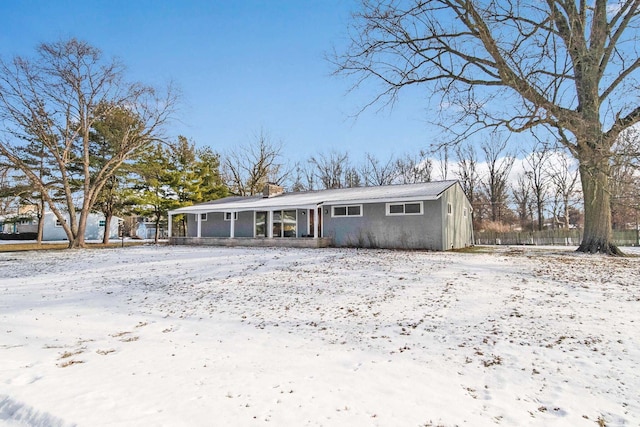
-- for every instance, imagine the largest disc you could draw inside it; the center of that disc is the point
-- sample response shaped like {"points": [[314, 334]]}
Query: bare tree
{"points": [[625, 182], [304, 178], [499, 164], [413, 169], [536, 173], [467, 171], [568, 67], [564, 180], [352, 178], [330, 168], [521, 192], [443, 162], [54, 100], [467, 174], [374, 172], [249, 167]]}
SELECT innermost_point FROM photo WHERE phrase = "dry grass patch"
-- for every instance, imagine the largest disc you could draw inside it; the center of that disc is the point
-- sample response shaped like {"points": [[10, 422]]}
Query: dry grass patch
{"points": [[22, 247]]}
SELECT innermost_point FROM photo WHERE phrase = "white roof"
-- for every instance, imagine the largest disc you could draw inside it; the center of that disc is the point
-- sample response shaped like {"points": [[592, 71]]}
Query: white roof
{"points": [[311, 199]]}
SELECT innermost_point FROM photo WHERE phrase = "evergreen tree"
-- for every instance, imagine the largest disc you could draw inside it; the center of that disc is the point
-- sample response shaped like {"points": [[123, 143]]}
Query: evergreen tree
{"points": [[155, 189]]}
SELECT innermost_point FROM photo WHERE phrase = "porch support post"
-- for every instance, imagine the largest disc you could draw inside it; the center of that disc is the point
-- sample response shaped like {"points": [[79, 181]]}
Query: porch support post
{"points": [[270, 225], [199, 232], [316, 217], [168, 224], [232, 232]]}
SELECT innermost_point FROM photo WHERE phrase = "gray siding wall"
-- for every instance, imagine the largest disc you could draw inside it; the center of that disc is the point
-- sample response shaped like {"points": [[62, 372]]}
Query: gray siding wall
{"points": [[375, 229], [458, 227], [301, 227], [216, 226]]}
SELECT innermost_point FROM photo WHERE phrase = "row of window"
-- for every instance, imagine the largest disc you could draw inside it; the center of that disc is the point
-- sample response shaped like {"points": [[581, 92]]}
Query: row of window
{"points": [[227, 216], [409, 208]]}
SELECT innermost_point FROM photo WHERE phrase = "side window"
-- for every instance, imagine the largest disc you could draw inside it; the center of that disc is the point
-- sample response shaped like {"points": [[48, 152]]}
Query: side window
{"points": [[203, 217], [410, 208], [449, 209], [354, 210], [348, 210]]}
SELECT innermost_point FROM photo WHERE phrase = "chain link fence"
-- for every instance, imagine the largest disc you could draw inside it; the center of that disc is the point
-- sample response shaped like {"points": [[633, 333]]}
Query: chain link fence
{"points": [[551, 237]]}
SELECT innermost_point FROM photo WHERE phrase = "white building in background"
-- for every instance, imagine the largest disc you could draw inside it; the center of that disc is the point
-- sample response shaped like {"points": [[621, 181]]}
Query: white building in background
{"points": [[53, 230]]}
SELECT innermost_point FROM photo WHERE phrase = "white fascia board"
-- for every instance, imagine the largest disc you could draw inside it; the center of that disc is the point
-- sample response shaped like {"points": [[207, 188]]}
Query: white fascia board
{"points": [[236, 208], [382, 200], [260, 205]]}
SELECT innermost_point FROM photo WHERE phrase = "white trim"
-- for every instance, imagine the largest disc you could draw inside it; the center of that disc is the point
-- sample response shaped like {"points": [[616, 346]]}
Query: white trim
{"points": [[270, 224], [316, 222], [266, 219], [404, 208], [282, 223], [203, 219], [262, 206], [346, 215]]}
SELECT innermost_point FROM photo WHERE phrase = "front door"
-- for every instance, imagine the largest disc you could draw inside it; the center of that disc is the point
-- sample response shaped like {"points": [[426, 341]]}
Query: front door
{"points": [[261, 224], [313, 213]]}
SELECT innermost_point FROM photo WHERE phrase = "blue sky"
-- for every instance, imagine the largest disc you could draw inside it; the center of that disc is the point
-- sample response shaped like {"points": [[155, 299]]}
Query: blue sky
{"points": [[242, 66]]}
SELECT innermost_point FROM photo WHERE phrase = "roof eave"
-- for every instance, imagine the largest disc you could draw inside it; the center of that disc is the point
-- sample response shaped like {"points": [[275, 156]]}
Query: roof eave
{"points": [[237, 208]]}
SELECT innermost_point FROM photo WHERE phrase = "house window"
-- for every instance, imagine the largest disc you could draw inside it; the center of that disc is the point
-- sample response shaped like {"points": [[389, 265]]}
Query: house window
{"points": [[411, 208], [261, 224], [58, 223], [464, 212], [449, 208], [203, 217], [284, 223], [102, 223], [349, 210], [227, 216]]}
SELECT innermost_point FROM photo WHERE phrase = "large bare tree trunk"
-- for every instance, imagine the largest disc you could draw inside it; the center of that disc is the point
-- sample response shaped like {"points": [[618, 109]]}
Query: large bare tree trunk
{"points": [[597, 209], [78, 238], [40, 221], [107, 228]]}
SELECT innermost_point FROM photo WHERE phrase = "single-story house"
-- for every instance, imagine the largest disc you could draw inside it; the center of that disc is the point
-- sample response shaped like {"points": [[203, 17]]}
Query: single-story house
{"points": [[431, 215]]}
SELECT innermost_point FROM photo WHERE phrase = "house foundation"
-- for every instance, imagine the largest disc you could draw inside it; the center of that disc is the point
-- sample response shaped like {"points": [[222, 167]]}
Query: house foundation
{"points": [[304, 242]]}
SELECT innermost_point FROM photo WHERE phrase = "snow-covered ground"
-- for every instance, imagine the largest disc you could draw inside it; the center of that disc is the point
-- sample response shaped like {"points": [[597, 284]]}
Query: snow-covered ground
{"points": [[182, 336]]}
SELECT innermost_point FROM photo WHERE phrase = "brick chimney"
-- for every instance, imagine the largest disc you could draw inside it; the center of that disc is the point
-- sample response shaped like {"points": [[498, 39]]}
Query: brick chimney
{"points": [[271, 189]]}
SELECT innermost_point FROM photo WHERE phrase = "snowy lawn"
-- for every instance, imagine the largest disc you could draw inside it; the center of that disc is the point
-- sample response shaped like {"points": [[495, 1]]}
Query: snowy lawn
{"points": [[181, 336]]}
